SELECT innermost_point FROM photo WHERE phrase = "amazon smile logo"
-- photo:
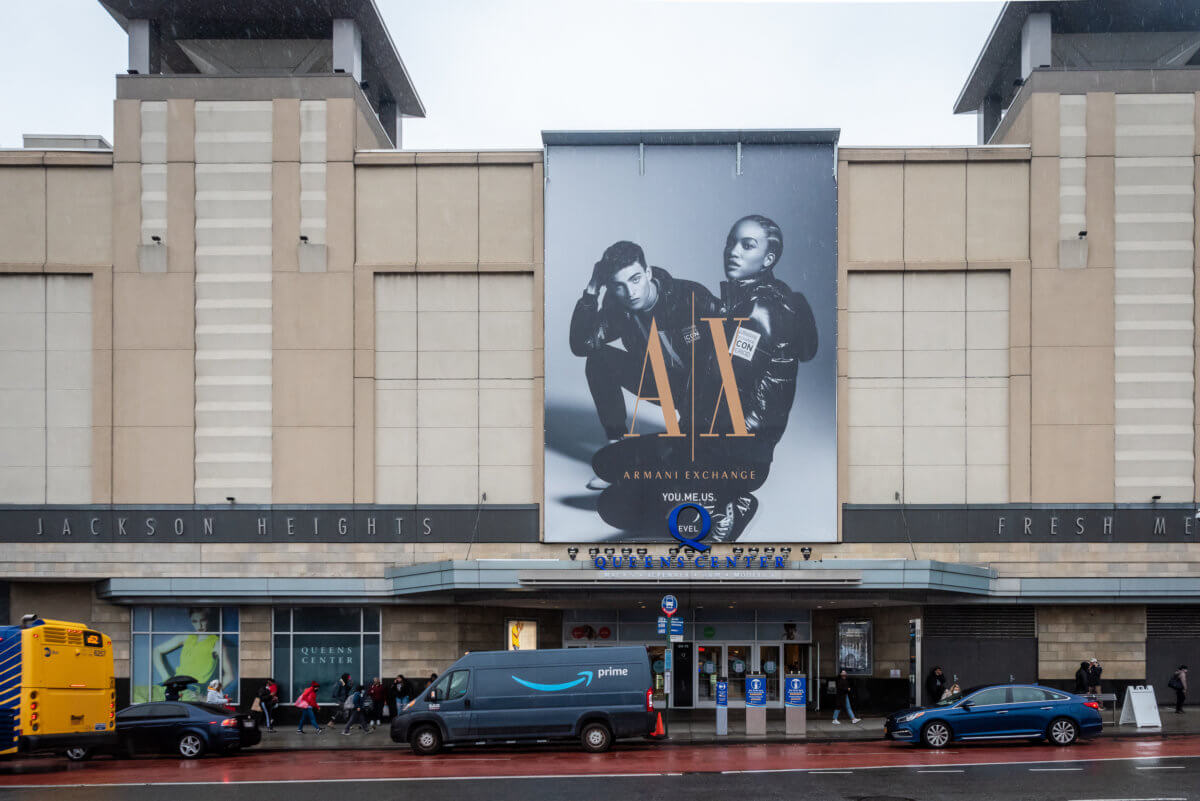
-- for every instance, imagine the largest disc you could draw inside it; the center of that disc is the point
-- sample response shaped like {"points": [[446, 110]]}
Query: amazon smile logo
{"points": [[584, 676]]}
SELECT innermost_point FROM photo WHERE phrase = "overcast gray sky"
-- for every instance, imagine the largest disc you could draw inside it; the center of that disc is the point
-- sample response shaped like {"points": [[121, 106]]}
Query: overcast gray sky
{"points": [[494, 73]]}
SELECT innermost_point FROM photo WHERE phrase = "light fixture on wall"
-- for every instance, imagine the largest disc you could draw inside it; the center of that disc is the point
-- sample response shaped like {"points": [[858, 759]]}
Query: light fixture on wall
{"points": [[626, 551], [572, 552], [806, 552], [642, 551], [593, 552], [232, 500]]}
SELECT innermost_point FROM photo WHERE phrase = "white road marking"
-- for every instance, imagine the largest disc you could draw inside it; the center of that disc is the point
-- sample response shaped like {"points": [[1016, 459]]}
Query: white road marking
{"points": [[1159, 767], [830, 772], [1051, 770], [1128, 799], [941, 771]]}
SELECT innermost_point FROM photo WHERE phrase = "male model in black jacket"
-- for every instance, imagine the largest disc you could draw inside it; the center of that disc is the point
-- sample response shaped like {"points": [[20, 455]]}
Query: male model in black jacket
{"points": [[626, 300]]}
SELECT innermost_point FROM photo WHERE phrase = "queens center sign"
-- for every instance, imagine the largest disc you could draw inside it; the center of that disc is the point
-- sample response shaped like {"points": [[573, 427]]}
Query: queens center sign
{"points": [[690, 351]]}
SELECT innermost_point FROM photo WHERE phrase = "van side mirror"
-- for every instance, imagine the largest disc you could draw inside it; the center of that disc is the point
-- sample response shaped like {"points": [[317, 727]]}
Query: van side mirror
{"points": [[966, 705], [432, 697]]}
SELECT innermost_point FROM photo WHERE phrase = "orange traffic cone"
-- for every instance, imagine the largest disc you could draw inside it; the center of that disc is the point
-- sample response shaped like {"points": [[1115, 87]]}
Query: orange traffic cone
{"points": [[660, 731]]}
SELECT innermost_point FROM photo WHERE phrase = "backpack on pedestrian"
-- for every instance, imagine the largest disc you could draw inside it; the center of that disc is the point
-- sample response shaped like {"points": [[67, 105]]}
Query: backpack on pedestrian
{"points": [[1174, 683]]}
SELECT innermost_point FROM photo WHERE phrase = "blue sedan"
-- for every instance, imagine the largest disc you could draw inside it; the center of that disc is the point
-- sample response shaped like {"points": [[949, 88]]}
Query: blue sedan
{"points": [[998, 712]]}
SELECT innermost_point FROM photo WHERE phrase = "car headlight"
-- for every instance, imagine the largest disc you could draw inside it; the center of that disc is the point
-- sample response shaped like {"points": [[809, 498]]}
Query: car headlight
{"points": [[909, 717]]}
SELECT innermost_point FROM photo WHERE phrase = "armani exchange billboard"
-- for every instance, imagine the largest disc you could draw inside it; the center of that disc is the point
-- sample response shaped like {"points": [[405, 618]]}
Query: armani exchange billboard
{"points": [[690, 336]]}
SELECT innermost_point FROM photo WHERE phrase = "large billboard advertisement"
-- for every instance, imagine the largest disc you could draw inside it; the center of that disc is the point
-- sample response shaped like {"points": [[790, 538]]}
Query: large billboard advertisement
{"points": [[690, 354]]}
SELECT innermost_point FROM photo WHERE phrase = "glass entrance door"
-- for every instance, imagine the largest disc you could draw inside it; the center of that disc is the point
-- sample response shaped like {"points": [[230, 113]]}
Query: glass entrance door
{"points": [[708, 667], [737, 665], [769, 666]]}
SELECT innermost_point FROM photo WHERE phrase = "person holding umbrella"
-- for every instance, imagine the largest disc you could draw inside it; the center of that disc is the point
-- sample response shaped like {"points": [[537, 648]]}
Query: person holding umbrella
{"points": [[175, 685]]}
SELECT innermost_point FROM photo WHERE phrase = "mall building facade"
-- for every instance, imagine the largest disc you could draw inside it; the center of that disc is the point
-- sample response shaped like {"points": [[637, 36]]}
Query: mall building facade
{"points": [[272, 386]]}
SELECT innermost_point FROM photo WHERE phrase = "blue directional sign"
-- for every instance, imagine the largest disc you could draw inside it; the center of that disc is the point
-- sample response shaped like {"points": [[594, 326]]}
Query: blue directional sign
{"points": [[677, 626], [662, 625], [670, 604], [795, 691], [756, 691], [722, 693]]}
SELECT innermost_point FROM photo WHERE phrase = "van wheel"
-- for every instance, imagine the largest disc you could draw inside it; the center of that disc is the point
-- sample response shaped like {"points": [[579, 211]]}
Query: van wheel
{"points": [[190, 746], [426, 740], [77, 753], [596, 738], [1063, 731]]}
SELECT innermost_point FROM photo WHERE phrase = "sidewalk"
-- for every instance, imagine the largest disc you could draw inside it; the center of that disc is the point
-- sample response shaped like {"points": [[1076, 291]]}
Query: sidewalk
{"points": [[698, 727]]}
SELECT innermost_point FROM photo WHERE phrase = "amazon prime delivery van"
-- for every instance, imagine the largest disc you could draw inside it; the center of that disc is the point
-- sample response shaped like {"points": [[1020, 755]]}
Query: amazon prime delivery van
{"points": [[596, 695]]}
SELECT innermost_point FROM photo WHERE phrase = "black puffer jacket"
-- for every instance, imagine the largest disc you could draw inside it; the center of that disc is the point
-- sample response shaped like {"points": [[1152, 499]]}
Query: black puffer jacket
{"points": [[778, 333]]}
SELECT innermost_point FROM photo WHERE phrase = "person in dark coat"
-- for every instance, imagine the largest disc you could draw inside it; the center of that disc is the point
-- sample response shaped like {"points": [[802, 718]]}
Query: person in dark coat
{"points": [[935, 685], [843, 698], [1082, 678], [341, 693], [399, 694], [1179, 684], [1094, 671]]}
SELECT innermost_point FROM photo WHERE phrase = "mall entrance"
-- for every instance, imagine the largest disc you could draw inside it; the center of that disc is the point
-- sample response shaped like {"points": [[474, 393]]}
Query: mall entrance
{"points": [[771, 642]]}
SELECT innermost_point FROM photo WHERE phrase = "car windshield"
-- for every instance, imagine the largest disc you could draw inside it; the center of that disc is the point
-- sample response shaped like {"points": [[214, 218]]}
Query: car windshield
{"points": [[955, 694]]}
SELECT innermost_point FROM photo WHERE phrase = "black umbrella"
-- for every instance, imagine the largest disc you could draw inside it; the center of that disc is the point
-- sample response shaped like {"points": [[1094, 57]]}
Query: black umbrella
{"points": [[180, 680]]}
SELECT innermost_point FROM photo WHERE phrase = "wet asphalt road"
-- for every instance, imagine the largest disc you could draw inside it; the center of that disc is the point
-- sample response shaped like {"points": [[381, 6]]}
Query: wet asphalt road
{"points": [[1165, 779]]}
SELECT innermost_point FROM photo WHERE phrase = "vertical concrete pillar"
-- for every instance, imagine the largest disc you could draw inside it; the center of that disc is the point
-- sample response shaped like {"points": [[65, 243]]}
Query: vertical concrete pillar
{"points": [[1035, 43], [347, 48]]}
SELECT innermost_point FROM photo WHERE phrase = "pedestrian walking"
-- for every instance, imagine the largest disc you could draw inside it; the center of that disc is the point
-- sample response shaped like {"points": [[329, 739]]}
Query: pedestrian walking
{"points": [[307, 704], [342, 691], [1082, 678], [843, 698], [378, 697], [266, 701], [357, 699], [398, 695], [1178, 683], [935, 685], [1094, 671]]}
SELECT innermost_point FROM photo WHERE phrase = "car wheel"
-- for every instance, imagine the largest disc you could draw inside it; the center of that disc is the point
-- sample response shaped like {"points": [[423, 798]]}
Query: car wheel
{"points": [[936, 734], [1063, 731], [190, 746], [78, 753], [596, 738], [426, 740]]}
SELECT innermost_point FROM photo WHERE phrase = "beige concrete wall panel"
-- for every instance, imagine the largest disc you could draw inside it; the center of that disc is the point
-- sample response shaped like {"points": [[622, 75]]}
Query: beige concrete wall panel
{"points": [[126, 216], [312, 311], [1101, 125], [285, 214], [448, 484], [1100, 211], [1072, 464], [181, 217], [875, 212], [505, 215], [153, 388], [341, 128], [447, 216], [102, 453], [1115, 635], [312, 465], [153, 312], [1043, 212], [1044, 120], [313, 388], [69, 601], [1073, 386], [339, 211], [1020, 129], [1073, 307], [935, 204], [78, 216], [23, 216], [386, 215], [1155, 125], [153, 465], [997, 211], [364, 440], [181, 130], [285, 129], [127, 131]]}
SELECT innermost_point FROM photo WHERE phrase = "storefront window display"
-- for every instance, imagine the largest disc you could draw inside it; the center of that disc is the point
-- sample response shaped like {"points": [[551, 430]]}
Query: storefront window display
{"points": [[854, 647], [320, 644], [196, 641]]}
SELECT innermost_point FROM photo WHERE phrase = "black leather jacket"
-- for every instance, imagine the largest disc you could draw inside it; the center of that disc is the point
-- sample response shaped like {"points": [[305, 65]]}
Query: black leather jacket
{"points": [[593, 328], [780, 332]]}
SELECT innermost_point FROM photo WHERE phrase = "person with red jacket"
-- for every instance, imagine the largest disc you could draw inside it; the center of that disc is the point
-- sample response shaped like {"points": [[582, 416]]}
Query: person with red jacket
{"points": [[378, 696], [307, 703]]}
